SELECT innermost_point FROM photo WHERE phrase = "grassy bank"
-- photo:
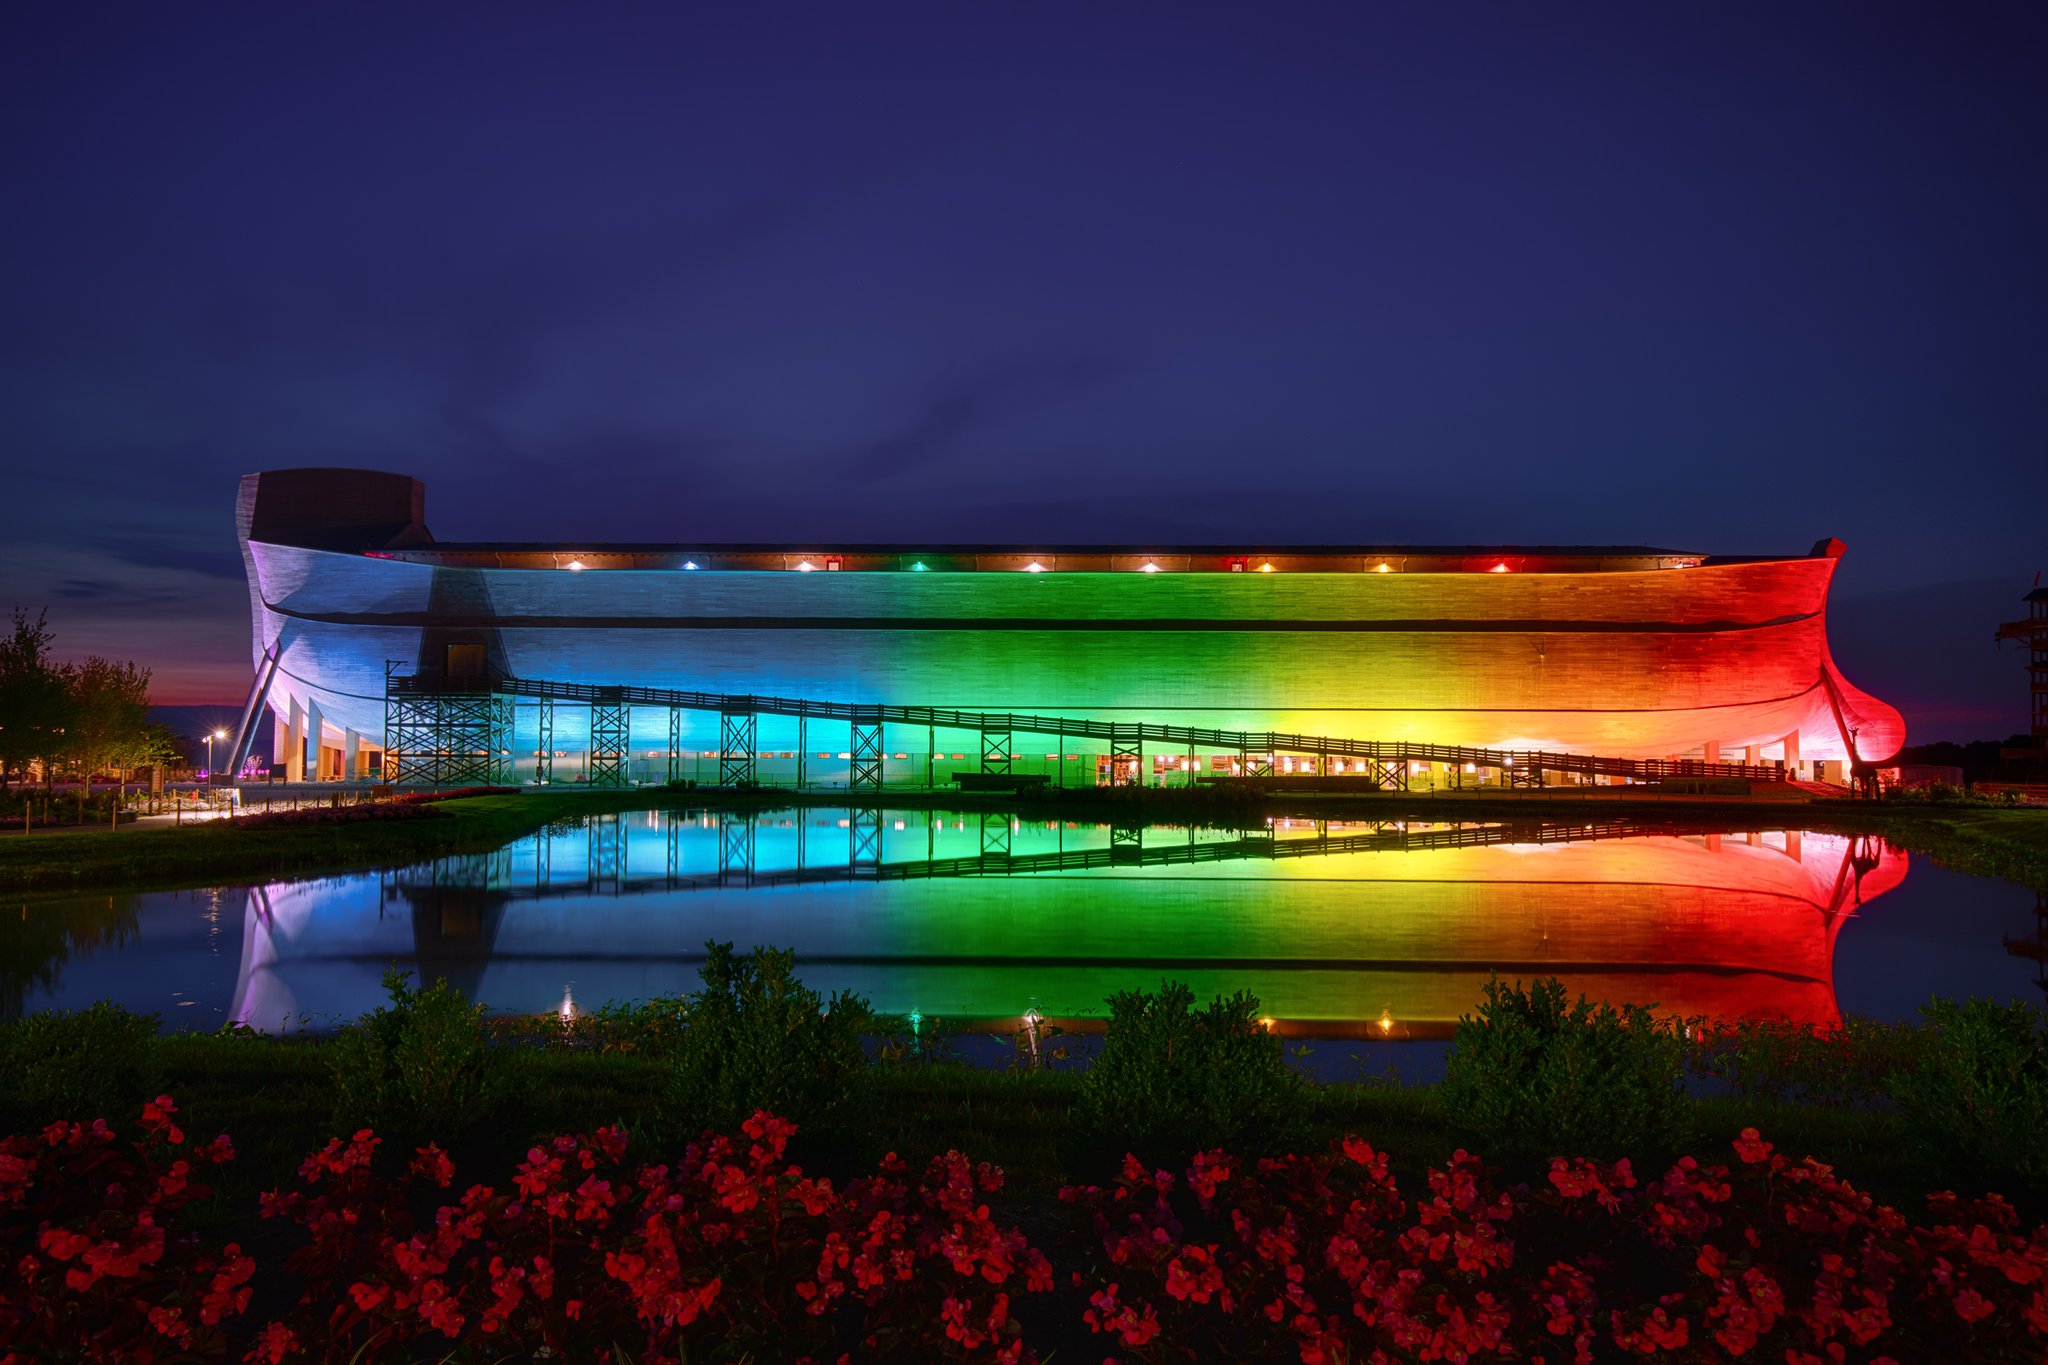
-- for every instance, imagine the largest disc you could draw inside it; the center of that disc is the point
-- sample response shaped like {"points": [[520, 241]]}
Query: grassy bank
{"points": [[217, 852], [1981, 840]]}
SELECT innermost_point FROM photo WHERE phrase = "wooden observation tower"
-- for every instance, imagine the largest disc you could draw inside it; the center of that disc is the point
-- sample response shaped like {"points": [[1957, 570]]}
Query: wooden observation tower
{"points": [[2033, 632]]}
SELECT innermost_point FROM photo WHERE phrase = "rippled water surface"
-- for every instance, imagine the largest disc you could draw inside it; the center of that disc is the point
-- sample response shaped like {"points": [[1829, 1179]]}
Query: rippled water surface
{"points": [[1377, 930]]}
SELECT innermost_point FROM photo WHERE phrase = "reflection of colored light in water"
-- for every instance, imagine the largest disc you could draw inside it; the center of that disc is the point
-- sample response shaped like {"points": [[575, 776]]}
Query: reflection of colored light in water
{"points": [[1396, 942]]}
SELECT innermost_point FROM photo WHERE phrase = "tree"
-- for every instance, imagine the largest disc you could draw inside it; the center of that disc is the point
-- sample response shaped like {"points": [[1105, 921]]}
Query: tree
{"points": [[34, 697], [109, 721]]}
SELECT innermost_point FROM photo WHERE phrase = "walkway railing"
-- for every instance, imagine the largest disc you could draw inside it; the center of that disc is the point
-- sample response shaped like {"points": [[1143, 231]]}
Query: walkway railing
{"points": [[433, 718]]}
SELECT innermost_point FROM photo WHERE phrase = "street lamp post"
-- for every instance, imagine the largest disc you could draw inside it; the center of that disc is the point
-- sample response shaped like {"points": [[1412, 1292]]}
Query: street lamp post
{"points": [[211, 736]]}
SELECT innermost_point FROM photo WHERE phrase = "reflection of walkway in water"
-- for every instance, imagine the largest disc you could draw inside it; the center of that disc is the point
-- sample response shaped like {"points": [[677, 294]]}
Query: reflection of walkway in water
{"points": [[608, 867]]}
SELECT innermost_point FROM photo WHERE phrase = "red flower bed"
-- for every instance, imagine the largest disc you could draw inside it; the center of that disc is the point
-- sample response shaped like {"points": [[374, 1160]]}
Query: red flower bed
{"points": [[1321, 1259], [89, 1258], [366, 812], [730, 1243], [450, 794], [416, 805], [1311, 1258]]}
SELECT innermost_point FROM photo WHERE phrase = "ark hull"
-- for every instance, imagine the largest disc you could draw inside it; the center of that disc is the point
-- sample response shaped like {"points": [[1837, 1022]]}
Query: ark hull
{"points": [[1642, 654]]}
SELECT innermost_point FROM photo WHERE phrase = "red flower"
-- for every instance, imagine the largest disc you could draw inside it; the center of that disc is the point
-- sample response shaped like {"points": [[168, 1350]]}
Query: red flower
{"points": [[1752, 1148], [431, 1163], [273, 1344], [156, 1120]]}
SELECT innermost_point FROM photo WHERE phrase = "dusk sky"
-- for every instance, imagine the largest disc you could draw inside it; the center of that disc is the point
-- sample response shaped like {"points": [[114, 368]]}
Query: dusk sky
{"points": [[1719, 278]]}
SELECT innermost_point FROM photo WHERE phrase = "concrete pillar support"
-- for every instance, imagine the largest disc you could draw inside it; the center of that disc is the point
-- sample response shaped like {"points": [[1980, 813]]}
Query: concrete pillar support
{"points": [[1710, 752], [295, 743], [313, 729], [351, 755]]}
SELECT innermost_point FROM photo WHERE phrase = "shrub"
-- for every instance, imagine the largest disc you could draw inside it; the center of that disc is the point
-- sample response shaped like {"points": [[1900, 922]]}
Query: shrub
{"points": [[1977, 1103], [1172, 1078], [423, 1061], [757, 1038], [1534, 1075], [96, 1061], [1775, 1059]]}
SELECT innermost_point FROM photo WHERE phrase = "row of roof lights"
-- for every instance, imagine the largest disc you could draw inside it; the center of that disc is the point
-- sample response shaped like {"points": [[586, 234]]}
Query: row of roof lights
{"points": [[1149, 566], [805, 566]]}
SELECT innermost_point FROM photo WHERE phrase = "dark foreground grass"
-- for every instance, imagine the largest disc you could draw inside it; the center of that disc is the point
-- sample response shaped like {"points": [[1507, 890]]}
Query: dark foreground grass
{"points": [[276, 1099]]}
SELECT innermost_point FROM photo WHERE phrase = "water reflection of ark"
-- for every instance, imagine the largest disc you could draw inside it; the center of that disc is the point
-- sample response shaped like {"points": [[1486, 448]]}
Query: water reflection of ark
{"points": [[1380, 929]]}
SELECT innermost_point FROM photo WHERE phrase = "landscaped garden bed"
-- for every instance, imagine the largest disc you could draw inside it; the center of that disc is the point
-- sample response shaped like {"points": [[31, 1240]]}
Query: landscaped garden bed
{"points": [[427, 1184]]}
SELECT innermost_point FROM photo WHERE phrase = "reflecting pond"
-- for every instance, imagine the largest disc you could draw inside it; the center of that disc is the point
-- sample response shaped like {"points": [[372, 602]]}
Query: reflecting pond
{"points": [[1374, 930]]}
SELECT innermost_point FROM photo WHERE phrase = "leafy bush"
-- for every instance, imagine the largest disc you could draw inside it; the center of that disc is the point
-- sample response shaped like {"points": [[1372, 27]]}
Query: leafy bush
{"points": [[96, 1061], [1534, 1075], [1977, 1102], [1171, 1078], [423, 1061], [1774, 1059], [757, 1038]]}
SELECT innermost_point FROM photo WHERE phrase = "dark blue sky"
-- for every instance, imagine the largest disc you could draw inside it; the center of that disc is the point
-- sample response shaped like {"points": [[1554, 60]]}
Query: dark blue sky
{"points": [[1723, 278]]}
